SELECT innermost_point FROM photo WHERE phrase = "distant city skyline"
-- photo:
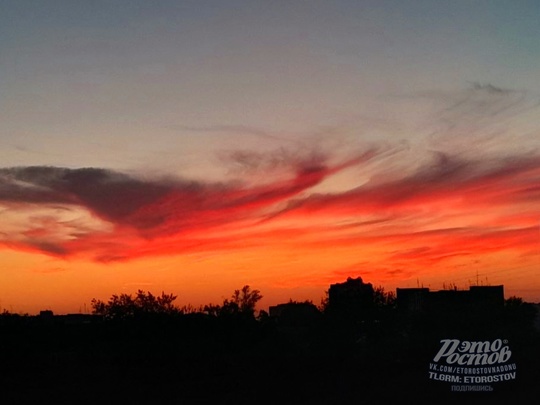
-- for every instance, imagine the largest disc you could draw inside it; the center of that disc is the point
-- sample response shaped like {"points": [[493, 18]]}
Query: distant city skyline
{"points": [[196, 147]]}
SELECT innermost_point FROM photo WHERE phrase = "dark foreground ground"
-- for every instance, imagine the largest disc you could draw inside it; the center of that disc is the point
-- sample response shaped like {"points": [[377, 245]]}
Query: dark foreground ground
{"points": [[199, 360]]}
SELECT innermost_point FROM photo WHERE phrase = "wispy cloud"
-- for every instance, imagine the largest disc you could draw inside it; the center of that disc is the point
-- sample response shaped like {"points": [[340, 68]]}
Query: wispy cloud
{"points": [[409, 206], [227, 129], [144, 209], [154, 216]]}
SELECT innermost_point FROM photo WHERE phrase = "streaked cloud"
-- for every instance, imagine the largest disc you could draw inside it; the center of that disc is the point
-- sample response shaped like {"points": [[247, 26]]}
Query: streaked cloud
{"points": [[143, 216], [142, 209], [406, 206]]}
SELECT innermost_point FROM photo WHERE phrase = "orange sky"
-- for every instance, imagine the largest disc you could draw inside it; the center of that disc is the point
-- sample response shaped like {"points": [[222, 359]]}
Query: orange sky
{"points": [[75, 234]]}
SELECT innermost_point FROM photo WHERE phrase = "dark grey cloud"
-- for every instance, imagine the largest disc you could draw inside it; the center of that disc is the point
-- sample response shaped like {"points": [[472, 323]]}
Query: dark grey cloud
{"points": [[110, 195], [156, 207]]}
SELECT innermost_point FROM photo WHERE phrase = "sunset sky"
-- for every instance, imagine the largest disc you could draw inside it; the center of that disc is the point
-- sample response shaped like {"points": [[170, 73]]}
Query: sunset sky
{"points": [[193, 147]]}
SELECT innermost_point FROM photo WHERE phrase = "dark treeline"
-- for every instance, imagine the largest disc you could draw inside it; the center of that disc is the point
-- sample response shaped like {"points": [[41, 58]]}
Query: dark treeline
{"points": [[358, 346]]}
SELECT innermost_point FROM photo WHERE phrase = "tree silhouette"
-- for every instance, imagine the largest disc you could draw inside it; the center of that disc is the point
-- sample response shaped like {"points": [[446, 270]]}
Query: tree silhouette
{"points": [[245, 299], [383, 299], [242, 302], [144, 304]]}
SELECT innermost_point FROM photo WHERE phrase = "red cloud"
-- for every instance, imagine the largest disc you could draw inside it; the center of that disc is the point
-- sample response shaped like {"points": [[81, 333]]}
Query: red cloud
{"points": [[141, 217]]}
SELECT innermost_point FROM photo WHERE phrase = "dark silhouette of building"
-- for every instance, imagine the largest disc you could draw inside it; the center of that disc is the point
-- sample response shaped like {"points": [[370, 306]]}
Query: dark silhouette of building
{"points": [[537, 317], [46, 314], [352, 293], [350, 301], [79, 319], [477, 298], [412, 299], [46, 317]]}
